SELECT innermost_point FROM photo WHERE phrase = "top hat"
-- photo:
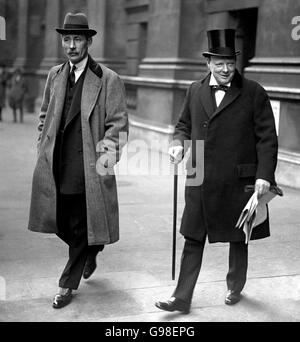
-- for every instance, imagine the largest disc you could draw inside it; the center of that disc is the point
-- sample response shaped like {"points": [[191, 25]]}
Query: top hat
{"points": [[76, 24], [221, 43]]}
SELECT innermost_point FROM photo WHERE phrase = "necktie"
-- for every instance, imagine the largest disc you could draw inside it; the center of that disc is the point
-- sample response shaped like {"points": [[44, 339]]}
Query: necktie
{"points": [[220, 87], [72, 76]]}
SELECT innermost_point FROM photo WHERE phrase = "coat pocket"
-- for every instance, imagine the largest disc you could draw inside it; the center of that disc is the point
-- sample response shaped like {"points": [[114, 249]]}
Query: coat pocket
{"points": [[246, 170]]}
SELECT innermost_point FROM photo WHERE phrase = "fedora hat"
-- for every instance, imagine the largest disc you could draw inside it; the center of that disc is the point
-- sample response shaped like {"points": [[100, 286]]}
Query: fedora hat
{"points": [[76, 24], [221, 43]]}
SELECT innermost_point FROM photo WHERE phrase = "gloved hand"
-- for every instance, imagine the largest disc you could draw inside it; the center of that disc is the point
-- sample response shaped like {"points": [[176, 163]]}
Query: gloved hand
{"points": [[176, 154]]}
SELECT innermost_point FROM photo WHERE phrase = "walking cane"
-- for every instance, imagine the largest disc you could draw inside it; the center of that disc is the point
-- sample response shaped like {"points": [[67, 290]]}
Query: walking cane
{"points": [[174, 220]]}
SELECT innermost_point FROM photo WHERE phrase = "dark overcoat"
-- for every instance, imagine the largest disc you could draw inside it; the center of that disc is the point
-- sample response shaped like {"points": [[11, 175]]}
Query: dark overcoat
{"points": [[103, 118], [240, 146], [17, 91], [2, 90]]}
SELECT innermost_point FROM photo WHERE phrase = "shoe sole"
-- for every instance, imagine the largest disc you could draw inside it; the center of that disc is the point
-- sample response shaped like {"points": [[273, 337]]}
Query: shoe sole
{"points": [[60, 307], [185, 312]]}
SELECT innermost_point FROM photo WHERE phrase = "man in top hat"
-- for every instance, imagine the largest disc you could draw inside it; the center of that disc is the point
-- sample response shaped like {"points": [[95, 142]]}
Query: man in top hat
{"points": [[83, 127], [233, 116]]}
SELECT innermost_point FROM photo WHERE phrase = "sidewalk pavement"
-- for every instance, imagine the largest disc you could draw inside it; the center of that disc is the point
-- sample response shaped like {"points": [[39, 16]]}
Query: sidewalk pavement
{"points": [[135, 272]]}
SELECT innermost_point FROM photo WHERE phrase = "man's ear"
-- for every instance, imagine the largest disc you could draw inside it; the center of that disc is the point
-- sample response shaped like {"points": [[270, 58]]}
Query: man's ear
{"points": [[208, 62], [90, 41]]}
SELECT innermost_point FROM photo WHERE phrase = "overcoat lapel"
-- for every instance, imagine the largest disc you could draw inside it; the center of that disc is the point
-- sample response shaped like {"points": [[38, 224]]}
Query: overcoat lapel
{"points": [[60, 86], [90, 93], [232, 94], [205, 98]]}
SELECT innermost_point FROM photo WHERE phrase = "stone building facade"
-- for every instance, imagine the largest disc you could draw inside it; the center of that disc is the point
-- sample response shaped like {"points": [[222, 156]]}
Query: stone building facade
{"points": [[156, 46]]}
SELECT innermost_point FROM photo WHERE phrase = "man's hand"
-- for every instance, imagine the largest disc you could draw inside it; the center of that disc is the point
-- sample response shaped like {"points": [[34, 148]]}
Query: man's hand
{"points": [[176, 154], [262, 187], [105, 164]]}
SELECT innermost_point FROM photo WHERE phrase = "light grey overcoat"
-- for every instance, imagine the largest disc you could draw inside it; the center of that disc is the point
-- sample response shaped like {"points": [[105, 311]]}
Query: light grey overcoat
{"points": [[103, 118]]}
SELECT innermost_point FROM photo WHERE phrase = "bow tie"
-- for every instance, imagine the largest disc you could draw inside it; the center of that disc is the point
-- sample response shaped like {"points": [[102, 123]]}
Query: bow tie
{"points": [[220, 87]]}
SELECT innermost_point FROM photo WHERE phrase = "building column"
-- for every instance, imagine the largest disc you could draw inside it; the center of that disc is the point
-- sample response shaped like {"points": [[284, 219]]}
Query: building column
{"points": [[96, 12], [137, 23], [108, 17], [173, 59], [174, 40], [52, 38], [23, 15], [2, 21]]}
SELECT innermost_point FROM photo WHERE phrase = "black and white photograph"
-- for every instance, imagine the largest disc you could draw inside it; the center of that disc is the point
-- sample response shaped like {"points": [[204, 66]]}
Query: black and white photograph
{"points": [[150, 163]]}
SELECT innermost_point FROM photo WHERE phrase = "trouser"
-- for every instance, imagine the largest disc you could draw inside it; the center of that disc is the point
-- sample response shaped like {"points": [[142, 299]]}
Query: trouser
{"points": [[72, 226], [0, 113], [15, 114], [191, 262]]}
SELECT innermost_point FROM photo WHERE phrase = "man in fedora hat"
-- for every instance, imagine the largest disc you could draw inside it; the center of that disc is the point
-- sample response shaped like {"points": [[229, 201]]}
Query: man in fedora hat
{"points": [[83, 127], [233, 116]]}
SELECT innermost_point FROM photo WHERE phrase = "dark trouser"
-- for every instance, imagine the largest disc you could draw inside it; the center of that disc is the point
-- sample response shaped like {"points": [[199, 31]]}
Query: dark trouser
{"points": [[191, 262], [0, 113], [72, 224]]}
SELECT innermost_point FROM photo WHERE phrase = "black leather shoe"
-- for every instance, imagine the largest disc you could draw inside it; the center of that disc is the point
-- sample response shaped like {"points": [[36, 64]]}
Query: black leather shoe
{"points": [[62, 300], [232, 297], [89, 268], [174, 304]]}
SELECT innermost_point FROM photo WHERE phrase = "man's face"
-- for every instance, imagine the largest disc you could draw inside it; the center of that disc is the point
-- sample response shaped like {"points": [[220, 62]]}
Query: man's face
{"points": [[76, 47], [223, 69]]}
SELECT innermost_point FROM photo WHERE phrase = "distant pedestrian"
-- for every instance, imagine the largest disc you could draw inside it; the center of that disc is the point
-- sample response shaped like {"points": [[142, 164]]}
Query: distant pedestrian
{"points": [[234, 118], [16, 94], [83, 118], [3, 83]]}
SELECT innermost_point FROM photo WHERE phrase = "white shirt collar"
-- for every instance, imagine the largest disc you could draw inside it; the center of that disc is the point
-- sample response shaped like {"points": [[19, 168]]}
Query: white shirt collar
{"points": [[81, 65], [213, 82]]}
